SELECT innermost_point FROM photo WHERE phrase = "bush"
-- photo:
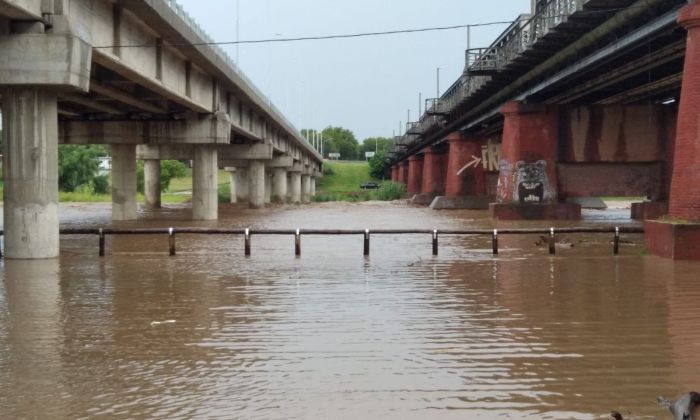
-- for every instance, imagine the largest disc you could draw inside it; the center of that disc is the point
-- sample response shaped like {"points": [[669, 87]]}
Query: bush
{"points": [[100, 184], [224, 193], [377, 166], [390, 191], [78, 166], [169, 170], [328, 170]]}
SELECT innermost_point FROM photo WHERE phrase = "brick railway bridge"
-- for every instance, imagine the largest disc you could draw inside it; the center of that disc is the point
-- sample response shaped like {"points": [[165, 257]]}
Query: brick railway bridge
{"points": [[579, 98], [69, 73]]}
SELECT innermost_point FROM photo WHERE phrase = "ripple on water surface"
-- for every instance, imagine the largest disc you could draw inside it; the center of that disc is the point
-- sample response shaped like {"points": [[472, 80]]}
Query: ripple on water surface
{"points": [[400, 335]]}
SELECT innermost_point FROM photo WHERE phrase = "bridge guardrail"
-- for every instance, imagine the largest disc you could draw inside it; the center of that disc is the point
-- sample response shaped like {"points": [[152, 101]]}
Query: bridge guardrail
{"points": [[192, 23]]}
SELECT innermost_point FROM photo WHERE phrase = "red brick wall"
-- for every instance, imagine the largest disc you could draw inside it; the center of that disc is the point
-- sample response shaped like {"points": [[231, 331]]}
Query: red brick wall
{"points": [[434, 165], [462, 151], [612, 180], [530, 134], [684, 200], [415, 175]]}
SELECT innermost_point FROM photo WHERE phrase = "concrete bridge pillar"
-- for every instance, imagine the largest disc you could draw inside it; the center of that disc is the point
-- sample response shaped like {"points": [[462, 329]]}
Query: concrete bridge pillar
{"points": [[671, 239], [256, 184], [313, 186], [268, 187], [232, 181], [30, 122], [415, 174], [295, 190], [527, 184], [279, 189], [151, 183], [205, 184], [305, 188], [242, 184], [124, 206]]}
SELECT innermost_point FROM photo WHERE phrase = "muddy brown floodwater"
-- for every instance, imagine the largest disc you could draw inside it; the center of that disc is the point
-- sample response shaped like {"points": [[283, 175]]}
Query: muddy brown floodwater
{"points": [[399, 335]]}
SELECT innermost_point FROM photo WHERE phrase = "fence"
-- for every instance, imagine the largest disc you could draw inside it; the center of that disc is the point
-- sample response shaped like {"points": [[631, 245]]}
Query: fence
{"points": [[366, 234]]}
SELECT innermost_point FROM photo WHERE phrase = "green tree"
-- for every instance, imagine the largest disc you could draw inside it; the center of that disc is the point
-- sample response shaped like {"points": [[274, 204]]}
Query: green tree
{"points": [[340, 140], [169, 170], [78, 166], [372, 144], [377, 166]]}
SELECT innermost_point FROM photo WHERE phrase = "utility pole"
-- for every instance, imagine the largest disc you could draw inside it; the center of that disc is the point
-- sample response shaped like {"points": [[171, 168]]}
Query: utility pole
{"points": [[438, 83], [420, 104]]}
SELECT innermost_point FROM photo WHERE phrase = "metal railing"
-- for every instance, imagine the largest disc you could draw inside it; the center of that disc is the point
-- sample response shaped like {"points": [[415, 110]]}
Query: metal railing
{"points": [[494, 234], [206, 39], [482, 63]]}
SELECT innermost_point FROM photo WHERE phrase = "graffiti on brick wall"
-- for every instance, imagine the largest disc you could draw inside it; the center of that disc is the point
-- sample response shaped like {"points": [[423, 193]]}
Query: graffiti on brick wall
{"points": [[531, 183], [491, 156]]}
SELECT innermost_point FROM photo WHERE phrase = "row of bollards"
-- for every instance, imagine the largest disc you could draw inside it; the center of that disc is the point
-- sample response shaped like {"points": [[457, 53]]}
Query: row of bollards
{"points": [[366, 233]]}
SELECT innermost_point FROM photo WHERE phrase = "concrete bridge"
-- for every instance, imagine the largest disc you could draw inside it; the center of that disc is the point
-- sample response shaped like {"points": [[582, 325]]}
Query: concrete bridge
{"points": [[142, 77], [578, 98]]}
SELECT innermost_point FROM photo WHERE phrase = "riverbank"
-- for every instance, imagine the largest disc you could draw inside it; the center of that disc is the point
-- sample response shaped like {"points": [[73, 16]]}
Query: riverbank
{"points": [[342, 180]]}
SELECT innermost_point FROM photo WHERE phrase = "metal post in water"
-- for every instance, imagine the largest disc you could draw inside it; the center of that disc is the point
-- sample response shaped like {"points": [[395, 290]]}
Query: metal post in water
{"points": [[297, 243], [552, 242], [435, 241], [494, 241], [366, 242], [102, 242], [171, 241], [247, 242], [616, 243]]}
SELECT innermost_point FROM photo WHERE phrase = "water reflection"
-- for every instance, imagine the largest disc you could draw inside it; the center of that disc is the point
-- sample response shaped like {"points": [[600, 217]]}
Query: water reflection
{"points": [[399, 335]]}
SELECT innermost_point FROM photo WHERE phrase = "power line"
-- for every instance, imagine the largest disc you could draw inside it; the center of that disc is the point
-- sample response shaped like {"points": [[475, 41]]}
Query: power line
{"points": [[316, 38], [355, 35]]}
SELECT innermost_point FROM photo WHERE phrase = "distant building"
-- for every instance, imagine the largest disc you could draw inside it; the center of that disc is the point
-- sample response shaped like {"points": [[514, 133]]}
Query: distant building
{"points": [[105, 165]]}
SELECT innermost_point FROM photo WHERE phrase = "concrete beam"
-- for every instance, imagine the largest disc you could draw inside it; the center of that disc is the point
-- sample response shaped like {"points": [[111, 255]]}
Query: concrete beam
{"points": [[56, 61], [278, 162], [21, 9], [211, 129], [124, 97]]}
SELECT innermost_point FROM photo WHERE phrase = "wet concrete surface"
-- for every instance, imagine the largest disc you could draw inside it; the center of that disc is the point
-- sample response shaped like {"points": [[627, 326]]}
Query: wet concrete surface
{"points": [[399, 335]]}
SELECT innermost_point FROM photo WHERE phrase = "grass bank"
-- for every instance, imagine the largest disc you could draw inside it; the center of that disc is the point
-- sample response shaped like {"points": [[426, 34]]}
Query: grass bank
{"points": [[341, 182]]}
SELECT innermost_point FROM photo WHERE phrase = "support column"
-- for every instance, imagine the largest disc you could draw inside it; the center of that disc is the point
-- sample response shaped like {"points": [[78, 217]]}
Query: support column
{"points": [[242, 184], [295, 179], [205, 184], [232, 180], [30, 124], [305, 189], [124, 206], [279, 188], [256, 183], [395, 173], [415, 175], [313, 186], [401, 174], [527, 184], [433, 172], [461, 180], [268, 188], [668, 238], [151, 184]]}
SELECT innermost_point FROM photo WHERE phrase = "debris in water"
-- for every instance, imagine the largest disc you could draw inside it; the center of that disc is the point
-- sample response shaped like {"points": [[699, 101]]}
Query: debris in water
{"points": [[169, 321]]}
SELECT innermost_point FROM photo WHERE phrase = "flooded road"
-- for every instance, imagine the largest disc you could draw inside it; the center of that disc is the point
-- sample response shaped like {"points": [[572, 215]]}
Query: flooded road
{"points": [[398, 335]]}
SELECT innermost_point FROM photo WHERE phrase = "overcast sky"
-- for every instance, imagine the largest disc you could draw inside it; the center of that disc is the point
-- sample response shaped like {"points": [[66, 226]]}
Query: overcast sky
{"points": [[365, 84]]}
